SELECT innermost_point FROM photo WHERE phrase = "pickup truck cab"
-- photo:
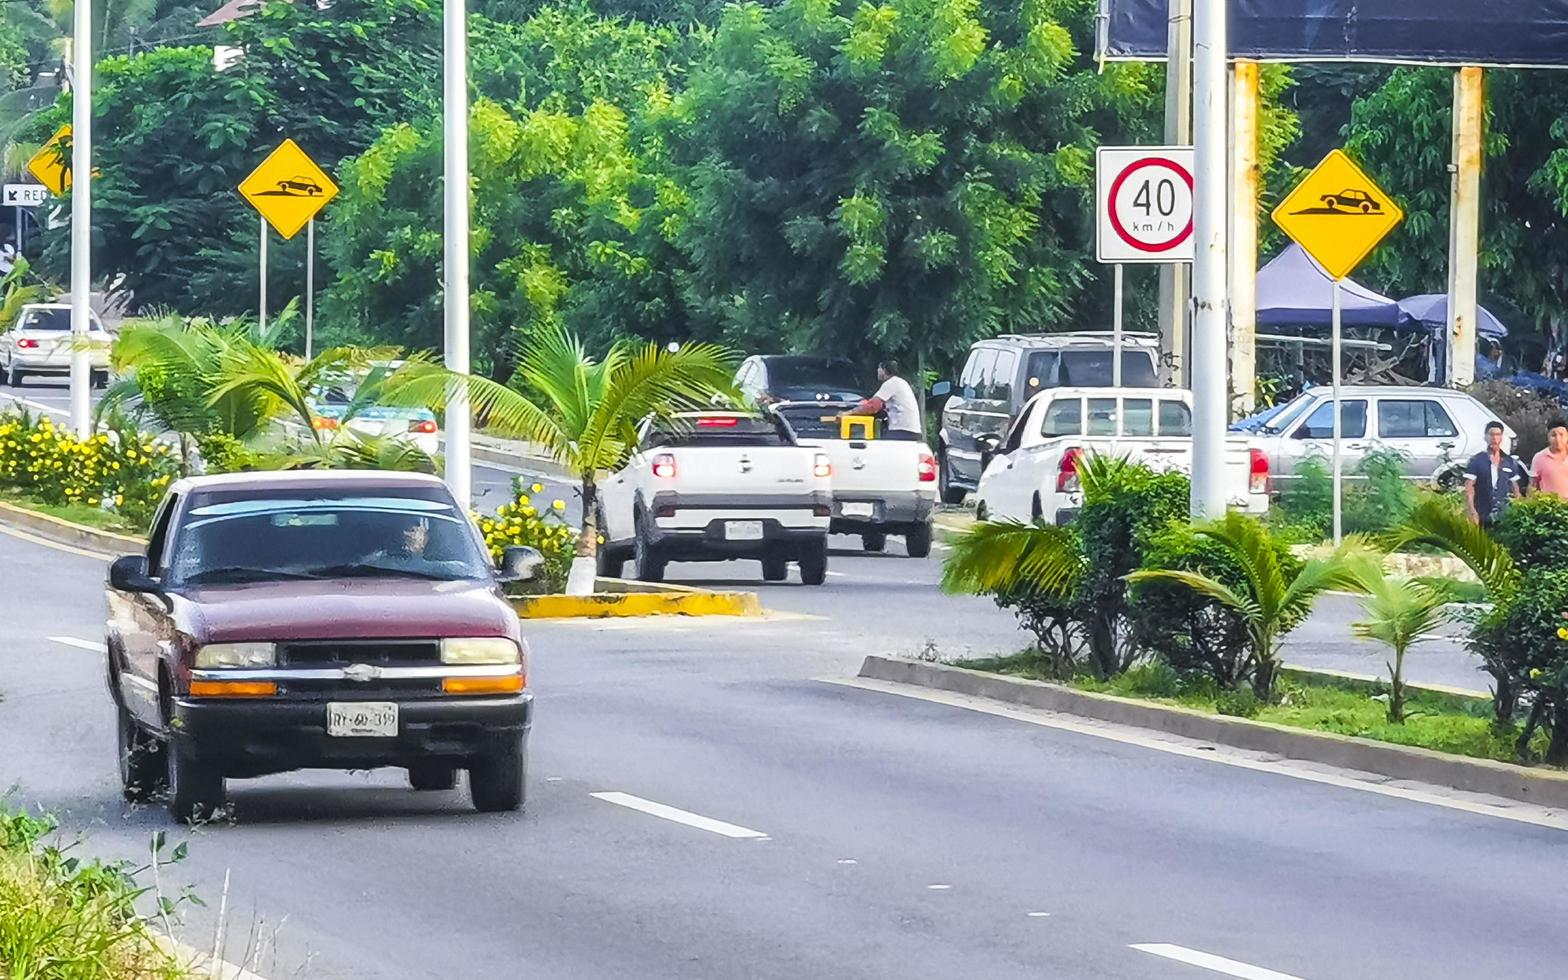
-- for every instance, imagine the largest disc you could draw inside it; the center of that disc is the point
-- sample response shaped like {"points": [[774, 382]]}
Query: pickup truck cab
{"points": [[1033, 475], [881, 487], [338, 620], [40, 343], [718, 486]]}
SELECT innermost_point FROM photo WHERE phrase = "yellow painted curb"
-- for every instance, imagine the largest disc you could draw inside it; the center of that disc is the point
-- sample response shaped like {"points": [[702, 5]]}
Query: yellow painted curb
{"points": [[602, 605]]}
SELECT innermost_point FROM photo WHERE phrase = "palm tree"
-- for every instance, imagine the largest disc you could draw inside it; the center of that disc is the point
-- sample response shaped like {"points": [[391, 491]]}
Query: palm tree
{"points": [[1400, 612], [1271, 600], [580, 411], [999, 557], [16, 292]]}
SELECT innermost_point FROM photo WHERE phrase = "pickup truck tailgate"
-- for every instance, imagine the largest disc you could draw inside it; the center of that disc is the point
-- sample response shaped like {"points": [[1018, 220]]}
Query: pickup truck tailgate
{"points": [[1176, 454], [744, 470]]}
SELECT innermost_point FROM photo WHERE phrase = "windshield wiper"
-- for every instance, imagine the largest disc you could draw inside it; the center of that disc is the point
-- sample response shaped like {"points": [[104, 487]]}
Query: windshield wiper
{"points": [[361, 570], [242, 573]]}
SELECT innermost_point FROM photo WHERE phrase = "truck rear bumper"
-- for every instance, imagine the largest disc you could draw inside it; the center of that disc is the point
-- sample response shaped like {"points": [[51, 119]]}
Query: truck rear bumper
{"points": [[856, 512]]}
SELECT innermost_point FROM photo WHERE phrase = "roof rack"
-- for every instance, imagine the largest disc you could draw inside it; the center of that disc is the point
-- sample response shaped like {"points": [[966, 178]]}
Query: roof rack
{"points": [[1077, 335]]}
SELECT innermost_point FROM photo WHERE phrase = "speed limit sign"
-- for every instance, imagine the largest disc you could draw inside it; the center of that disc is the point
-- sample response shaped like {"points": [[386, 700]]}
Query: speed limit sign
{"points": [[1143, 204]]}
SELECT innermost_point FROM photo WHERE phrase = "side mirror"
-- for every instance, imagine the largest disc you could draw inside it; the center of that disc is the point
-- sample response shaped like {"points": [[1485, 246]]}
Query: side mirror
{"points": [[989, 446], [941, 388], [519, 563], [129, 574]]}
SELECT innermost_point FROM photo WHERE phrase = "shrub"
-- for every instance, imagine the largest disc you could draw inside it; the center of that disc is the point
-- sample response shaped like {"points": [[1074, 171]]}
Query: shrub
{"points": [[521, 523], [1521, 633], [1307, 500], [223, 453], [119, 469], [1535, 532], [1526, 412], [1238, 704], [1382, 497]]}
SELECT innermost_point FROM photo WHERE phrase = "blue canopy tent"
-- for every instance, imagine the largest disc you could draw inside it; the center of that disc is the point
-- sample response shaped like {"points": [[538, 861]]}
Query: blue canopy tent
{"points": [[1429, 311], [1294, 291]]}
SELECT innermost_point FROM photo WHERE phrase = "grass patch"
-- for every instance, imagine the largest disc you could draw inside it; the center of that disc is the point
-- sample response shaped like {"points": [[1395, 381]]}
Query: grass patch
{"points": [[67, 918], [1460, 590], [95, 517], [1442, 722]]}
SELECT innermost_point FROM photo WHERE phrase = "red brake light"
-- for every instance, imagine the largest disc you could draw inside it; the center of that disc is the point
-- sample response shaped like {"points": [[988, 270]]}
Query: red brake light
{"points": [[1260, 471], [927, 468], [1067, 475], [26, 342], [422, 425], [823, 466], [320, 422], [664, 466], [718, 422]]}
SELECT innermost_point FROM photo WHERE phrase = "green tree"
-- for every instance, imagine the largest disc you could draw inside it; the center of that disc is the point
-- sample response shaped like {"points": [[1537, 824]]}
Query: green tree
{"points": [[1398, 612], [582, 411]]}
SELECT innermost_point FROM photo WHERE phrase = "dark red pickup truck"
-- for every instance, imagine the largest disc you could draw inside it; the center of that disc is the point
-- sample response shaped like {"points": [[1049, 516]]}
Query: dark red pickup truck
{"points": [[340, 620]]}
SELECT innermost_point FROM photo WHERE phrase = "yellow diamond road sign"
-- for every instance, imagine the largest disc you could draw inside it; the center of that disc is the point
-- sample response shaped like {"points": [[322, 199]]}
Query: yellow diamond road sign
{"points": [[288, 189], [1338, 214], [52, 164]]}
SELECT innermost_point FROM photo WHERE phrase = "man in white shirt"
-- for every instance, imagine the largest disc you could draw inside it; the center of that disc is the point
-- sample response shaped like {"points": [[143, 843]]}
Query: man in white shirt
{"points": [[896, 400]]}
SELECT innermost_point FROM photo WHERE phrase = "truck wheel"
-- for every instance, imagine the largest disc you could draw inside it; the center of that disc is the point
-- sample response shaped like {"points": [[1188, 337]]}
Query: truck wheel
{"points": [[143, 767], [874, 541], [917, 541], [429, 776], [609, 564], [195, 786], [814, 563], [498, 783], [774, 569], [944, 482], [650, 565]]}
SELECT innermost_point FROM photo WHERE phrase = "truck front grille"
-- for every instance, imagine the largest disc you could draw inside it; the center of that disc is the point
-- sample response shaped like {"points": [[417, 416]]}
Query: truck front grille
{"points": [[341, 653]]}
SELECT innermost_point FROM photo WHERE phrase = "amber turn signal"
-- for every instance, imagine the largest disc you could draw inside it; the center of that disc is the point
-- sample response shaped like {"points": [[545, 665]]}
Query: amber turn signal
{"points": [[233, 689], [509, 684]]}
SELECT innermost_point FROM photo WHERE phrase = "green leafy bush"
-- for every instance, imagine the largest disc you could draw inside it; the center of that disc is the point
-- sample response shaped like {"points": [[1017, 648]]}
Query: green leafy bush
{"points": [[1239, 703], [1521, 634], [1306, 501], [1382, 496], [524, 522], [119, 468], [1535, 532]]}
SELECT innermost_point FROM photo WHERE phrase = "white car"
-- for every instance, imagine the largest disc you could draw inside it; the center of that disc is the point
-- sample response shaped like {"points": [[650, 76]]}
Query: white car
{"points": [[40, 343], [1034, 474], [717, 486], [334, 399]]}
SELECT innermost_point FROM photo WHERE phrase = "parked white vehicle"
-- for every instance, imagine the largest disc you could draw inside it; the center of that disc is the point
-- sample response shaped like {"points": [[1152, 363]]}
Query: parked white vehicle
{"points": [[1034, 474], [717, 486], [40, 343]]}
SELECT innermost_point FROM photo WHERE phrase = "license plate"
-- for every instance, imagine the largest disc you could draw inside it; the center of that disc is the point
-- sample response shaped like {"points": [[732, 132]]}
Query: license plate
{"points": [[743, 530], [859, 510], [360, 719]]}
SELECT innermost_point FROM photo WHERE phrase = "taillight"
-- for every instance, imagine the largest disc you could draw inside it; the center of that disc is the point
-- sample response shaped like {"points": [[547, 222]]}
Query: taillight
{"points": [[26, 343], [718, 422], [1260, 471], [1067, 474], [823, 466], [664, 466], [320, 422], [927, 468], [422, 425]]}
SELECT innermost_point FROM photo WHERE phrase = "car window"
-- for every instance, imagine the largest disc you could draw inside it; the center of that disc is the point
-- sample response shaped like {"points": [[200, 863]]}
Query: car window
{"points": [[1041, 372], [1412, 419], [1092, 369], [45, 320], [1102, 416], [1320, 424], [1001, 386], [1175, 418], [1138, 417], [1063, 418], [160, 534], [722, 431], [977, 373], [1015, 438]]}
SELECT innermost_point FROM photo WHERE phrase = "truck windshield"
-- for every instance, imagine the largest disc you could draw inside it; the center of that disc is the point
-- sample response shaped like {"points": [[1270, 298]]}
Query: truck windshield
{"points": [[230, 538], [815, 373]]}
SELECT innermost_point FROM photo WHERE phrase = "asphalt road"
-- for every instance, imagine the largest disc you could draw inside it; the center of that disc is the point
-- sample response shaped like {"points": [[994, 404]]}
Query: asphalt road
{"points": [[873, 835]]}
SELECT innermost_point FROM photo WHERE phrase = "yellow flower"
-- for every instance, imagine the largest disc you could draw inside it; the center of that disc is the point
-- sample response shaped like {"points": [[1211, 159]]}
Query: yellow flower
{"points": [[537, 488], [500, 511], [522, 501], [559, 505]]}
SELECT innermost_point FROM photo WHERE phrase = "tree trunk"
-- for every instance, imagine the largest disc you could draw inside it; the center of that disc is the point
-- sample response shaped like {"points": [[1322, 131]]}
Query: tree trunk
{"points": [[1522, 745], [185, 455], [1396, 688], [585, 566], [1557, 748], [1505, 700]]}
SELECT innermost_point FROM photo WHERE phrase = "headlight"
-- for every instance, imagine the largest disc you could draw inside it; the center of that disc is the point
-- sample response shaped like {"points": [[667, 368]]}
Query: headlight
{"points": [[221, 655], [480, 650]]}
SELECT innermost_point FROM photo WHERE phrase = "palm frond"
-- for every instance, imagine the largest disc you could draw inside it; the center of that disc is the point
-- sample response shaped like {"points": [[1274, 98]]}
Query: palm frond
{"points": [[251, 372], [1003, 556], [1243, 605], [510, 413], [1439, 524], [647, 379]]}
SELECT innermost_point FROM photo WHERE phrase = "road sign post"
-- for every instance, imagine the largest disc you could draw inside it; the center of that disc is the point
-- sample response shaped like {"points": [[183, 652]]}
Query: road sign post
{"points": [[1338, 214], [288, 190]]}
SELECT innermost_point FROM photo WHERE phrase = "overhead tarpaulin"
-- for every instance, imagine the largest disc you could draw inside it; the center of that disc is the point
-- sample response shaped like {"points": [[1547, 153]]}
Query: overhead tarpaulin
{"points": [[1510, 33], [1294, 291], [1430, 311]]}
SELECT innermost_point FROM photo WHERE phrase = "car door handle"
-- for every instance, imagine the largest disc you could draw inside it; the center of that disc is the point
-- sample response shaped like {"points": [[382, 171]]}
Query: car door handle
{"points": [[1446, 445]]}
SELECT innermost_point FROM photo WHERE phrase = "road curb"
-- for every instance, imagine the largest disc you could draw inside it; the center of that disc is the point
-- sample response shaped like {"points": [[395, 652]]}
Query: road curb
{"points": [[1539, 787], [608, 604], [67, 532]]}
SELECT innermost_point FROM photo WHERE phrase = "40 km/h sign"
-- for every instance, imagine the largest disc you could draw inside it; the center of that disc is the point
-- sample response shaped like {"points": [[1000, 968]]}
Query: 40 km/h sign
{"points": [[1143, 204]]}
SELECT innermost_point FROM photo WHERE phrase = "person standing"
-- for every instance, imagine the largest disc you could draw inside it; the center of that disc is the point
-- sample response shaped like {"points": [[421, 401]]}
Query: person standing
{"points": [[1549, 469], [1492, 479], [895, 399]]}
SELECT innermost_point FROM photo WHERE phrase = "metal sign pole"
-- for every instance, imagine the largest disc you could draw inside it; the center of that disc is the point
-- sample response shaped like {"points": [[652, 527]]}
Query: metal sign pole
{"points": [[263, 318], [81, 218], [1338, 434], [18, 229], [1211, 300], [454, 57], [1116, 329], [310, 284]]}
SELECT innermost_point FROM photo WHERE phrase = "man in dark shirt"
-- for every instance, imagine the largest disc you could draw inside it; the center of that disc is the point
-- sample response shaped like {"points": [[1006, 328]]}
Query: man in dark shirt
{"points": [[1492, 478]]}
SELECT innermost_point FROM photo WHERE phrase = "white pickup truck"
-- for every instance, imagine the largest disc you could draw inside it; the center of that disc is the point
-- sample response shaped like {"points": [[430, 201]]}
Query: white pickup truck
{"points": [[718, 486], [1033, 475]]}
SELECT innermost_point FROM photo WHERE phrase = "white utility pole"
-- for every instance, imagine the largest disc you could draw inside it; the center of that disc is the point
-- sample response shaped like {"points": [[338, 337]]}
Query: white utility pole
{"points": [[81, 217], [1211, 132], [1464, 225], [459, 462], [1175, 277]]}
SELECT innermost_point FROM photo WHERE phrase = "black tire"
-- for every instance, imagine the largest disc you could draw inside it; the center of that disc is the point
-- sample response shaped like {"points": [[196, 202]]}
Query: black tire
{"points": [[917, 541], [1036, 511], [499, 783], [14, 376], [195, 787], [143, 767], [874, 541], [430, 777], [608, 563], [650, 564], [814, 563], [944, 482], [981, 513], [774, 569]]}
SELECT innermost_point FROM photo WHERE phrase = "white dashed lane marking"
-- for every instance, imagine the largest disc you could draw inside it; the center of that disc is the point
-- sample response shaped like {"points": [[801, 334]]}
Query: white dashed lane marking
{"points": [[676, 815], [1208, 961]]}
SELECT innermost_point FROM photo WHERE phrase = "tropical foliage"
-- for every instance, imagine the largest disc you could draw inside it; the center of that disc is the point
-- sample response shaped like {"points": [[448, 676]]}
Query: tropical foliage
{"points": [[119, 469], [527, 520], [1399, 613]]}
